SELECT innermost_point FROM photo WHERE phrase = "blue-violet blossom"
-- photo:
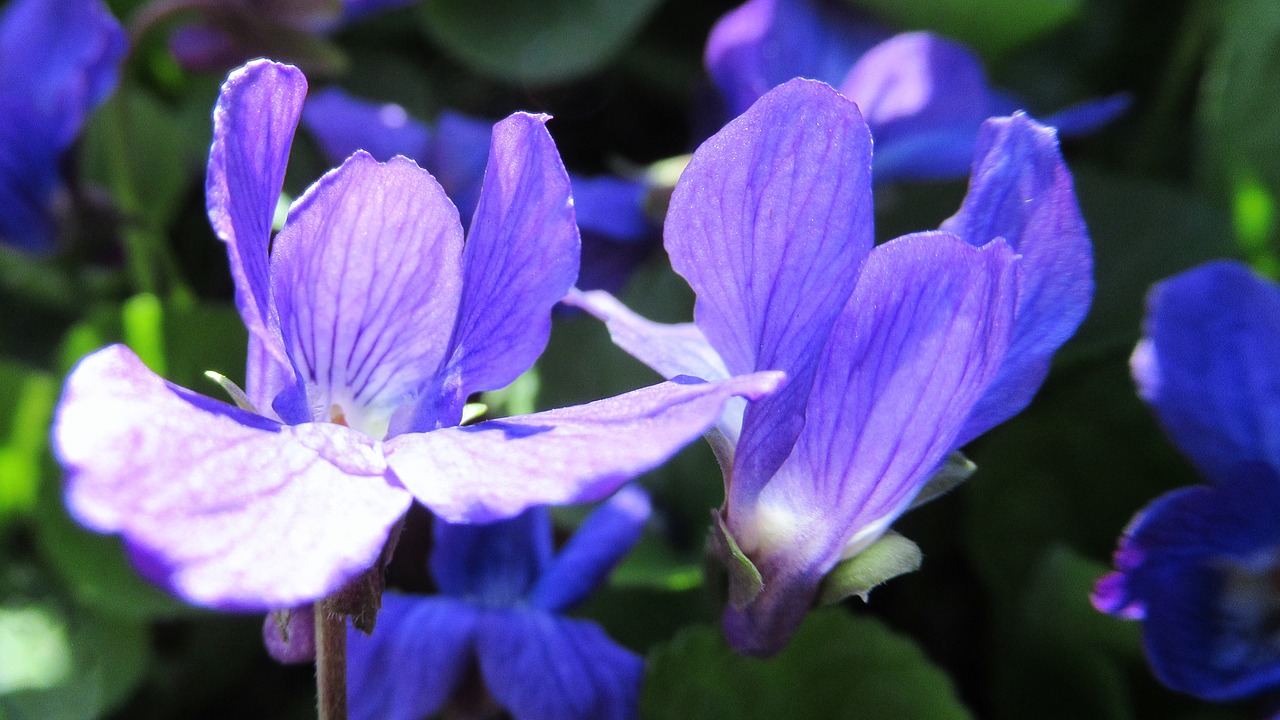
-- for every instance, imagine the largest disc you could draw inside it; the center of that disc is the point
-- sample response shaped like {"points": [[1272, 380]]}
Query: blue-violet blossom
{"points": [[59, 59], [925, 97], [1200, 566], [499, 613], [895, 355], [370, 324]]}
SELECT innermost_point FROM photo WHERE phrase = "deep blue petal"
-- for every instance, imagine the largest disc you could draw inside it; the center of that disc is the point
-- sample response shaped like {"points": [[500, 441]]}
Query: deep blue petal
{"points": [[616, 234], [543, 667], [493, 565], [457, 155], [343, 124], [356, 9], [1085, 117]]}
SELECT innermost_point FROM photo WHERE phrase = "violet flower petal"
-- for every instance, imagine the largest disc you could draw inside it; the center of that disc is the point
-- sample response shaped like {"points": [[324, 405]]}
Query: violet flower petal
{"points": [[576, 454], [1022, 191], [1088, 116], [769, 224], [342, 124], [919, 341], [521, 257], [225, 508], [357, 9], [582, 674], [253, 126], [594, 549], [366, 274], [457, 156], [1207, 364], [418, 654], [493, 564]]}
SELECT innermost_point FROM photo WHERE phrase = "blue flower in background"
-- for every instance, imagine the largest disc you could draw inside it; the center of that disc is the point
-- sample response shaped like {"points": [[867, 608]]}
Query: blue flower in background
{"points": [[924, 97], [895, 354], [499, 613], [371, 322], [1200, 566], [617, 235], [59, 59]]}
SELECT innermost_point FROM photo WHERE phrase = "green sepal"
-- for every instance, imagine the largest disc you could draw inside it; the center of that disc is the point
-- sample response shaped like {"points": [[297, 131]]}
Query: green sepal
{"points": [[954, 471], [745, 581], [887, 558], [237, 395]]}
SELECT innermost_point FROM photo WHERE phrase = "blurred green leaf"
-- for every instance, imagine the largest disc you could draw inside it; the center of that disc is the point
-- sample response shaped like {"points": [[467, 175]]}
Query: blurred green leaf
{"points": [[990, 26], [28, 397], [535, 43], [837, 666], [653, 564]]}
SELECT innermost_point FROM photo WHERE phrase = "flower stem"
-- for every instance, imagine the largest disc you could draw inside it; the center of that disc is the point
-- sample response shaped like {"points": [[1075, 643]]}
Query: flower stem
{"points": [[331, 663]]}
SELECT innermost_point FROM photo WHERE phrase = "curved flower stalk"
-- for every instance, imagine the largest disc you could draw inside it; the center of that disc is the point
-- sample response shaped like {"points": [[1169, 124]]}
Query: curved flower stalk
{"points": [[924, 96], [370, 324], [616, 234], [59, 59], [500, 613], [1198, 566], [895, 355]]}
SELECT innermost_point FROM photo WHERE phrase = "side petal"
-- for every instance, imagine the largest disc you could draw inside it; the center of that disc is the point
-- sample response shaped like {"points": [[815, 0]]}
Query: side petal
{"points": [[1022, 191], [366, 273], [253, 126], [918, 343], [342, 124], [543, 667], [764, 43], [769, 224], [418, 654], [1207, 365], [225, 508], [496, 469], [521, 257], [599, 544], [493, 564]]}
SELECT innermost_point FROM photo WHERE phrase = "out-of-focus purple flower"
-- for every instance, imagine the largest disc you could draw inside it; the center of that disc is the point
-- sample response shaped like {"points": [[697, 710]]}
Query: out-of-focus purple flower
{"points": [[617, 235], [59, 59], [1199, 565], [370, 324], [500, 614], [924, 97], [896, 355]]}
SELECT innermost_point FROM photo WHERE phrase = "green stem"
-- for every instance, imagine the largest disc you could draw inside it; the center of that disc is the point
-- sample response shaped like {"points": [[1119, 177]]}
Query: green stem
{"points": [[331, 663]]}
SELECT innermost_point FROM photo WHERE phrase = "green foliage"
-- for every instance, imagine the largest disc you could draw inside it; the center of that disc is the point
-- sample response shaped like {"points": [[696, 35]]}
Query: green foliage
{"points": [[28, 397], [837, 666], [991, 26]]}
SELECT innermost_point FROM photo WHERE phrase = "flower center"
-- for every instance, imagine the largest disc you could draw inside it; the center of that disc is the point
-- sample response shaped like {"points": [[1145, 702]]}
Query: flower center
{"points": [[1249, 601]]}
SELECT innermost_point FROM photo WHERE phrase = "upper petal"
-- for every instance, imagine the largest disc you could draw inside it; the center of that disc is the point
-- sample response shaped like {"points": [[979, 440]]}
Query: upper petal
{"points": [[366, 273], [491, 564], [253, 126], [769, 224], [419, 653], [543, 667], [521, 257], [1022, 191], [599, 544], [496, 469], [1207, 364], [918, 343], [342, 124], [226, 508]]}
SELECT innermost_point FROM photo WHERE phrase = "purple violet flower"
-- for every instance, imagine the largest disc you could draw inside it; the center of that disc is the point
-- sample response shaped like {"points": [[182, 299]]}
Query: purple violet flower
{"points": [[617, 236], [59, 59], [895, 355], [370, 324], [1199, 565], [924, 97], [500, 614]]}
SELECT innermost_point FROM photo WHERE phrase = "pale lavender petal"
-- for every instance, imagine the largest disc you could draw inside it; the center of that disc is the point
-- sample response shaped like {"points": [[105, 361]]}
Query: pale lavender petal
{"points": [[253, 126], [342, 124], [1207, 364], [497, 469], [764, 43], [918, 343], [769, 224], [1022, 191], [225, 508], [599, 544], [521, 257], [419, 653], [366, 273], [543, 667], [491, 564]]}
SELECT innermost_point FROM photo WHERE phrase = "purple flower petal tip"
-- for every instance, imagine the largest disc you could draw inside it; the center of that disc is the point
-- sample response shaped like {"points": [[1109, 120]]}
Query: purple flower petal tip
{"points": [[290, 635]]}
